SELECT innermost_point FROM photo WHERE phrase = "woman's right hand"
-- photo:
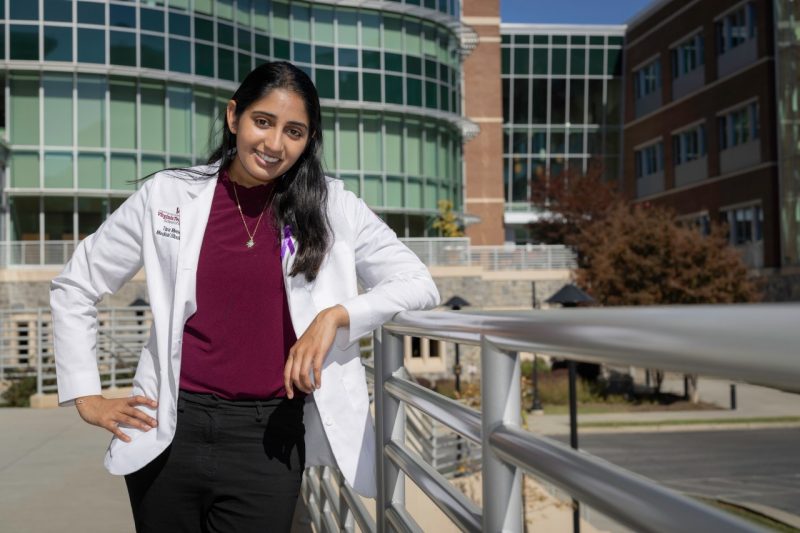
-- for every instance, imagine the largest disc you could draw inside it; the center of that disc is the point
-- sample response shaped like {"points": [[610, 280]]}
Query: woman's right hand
{"points": [[110, 413]]}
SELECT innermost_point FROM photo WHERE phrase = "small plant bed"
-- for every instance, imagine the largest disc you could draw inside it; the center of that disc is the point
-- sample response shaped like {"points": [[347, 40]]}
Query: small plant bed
{"points": [[601, 396], [593, 396]]}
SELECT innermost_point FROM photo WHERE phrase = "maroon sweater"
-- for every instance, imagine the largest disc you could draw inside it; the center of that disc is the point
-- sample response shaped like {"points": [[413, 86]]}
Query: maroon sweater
{"points": [[235, 344]]}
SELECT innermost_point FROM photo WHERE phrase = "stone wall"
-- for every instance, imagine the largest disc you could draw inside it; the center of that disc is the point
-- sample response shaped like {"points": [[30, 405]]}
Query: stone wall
{"points": [[16, 295]]}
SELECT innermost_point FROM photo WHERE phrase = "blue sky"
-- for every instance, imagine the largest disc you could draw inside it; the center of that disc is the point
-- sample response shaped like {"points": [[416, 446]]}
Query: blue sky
{"points": [[571, 11]]}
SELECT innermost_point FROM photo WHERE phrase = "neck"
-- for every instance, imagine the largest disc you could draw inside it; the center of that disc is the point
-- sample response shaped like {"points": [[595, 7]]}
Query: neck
{"points": [[238, 175]]}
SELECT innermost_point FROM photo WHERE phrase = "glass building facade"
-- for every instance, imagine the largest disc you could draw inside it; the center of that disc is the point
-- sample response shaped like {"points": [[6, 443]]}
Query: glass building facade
{"points": [[562, 100], [787, 52], [100, 93]]}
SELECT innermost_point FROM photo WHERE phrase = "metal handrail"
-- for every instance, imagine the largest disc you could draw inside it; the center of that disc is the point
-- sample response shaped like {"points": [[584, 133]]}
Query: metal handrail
{"points": [[709, 340]]}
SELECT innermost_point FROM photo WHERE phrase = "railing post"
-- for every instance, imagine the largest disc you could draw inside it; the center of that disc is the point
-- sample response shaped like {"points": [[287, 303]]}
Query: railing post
{"points": [[39, 357], [500, 401], [389, 425]]}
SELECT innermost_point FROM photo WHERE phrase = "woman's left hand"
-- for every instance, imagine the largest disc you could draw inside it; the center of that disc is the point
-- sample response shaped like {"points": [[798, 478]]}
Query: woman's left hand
{"points": [[310, 349]]}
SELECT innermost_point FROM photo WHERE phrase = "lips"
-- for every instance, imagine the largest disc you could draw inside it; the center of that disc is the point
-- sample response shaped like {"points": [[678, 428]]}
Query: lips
{"points": [[267, 159]]}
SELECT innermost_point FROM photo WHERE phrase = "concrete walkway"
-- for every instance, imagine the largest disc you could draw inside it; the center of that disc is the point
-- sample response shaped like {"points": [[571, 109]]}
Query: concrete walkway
{"points": [[52, 477], [752, 402]]}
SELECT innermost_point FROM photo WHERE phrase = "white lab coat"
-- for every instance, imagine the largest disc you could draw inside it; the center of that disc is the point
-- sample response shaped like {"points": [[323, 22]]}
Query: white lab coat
{"points": [[161, 227]]}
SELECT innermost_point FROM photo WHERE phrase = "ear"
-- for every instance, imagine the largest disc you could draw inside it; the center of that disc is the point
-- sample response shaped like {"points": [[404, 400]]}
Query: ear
{"points": [[230, 116]]}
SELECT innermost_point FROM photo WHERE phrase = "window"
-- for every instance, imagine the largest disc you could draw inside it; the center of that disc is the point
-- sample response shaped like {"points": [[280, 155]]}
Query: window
{"points": [[647, 79], [735, 28], [738, 126], [745, 224], [649, 160], [687, 56], [689, 145]]}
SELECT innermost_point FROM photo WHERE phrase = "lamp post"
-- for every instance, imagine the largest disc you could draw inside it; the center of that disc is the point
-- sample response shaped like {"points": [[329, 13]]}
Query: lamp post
{"points": [[456, 303], [571, 296]]}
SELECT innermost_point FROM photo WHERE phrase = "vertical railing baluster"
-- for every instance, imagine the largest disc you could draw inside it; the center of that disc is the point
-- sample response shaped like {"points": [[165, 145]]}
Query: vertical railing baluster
{"points": [[389, 425], [39, 355], [501, 404], [573, 436]]}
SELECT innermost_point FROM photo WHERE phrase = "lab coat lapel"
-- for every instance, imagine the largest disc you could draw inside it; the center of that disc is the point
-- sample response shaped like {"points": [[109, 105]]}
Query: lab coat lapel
{"points": [[193, 219]]}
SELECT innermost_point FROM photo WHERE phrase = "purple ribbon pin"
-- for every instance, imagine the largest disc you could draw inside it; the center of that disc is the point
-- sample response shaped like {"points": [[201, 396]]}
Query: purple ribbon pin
{"points": [[287, 241]]}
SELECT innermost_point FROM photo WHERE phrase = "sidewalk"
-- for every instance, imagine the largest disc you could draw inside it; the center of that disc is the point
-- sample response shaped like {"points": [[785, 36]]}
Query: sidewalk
{"points": [[752, 402]]}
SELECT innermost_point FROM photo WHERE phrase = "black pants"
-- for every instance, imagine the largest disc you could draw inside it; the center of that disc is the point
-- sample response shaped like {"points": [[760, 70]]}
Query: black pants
{"points": [[233, 466]]}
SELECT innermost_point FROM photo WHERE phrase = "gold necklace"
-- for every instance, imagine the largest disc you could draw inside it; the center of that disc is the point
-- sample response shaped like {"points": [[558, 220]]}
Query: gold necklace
{"points": [[250, 243]]}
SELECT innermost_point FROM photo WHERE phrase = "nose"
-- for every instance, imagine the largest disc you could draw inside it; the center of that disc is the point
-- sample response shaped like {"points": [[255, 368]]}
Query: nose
{"points": [[273, 141]]}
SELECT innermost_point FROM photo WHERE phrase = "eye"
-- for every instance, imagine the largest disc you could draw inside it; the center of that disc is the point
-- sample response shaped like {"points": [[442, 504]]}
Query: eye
{"points": [[262, 122], [294, 132]]}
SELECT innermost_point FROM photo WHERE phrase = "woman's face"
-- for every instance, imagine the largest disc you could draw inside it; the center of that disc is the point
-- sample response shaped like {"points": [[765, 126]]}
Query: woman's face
{"points": [[271, 135]]}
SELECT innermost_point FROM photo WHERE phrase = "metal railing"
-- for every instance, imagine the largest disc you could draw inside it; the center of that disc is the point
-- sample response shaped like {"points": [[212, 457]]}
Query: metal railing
{"points": [[459, 252], [719, 341], [26, 345], [432, 252]]}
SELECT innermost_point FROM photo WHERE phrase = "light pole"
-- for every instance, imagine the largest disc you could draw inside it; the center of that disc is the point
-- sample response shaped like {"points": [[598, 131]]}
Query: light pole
{"points": [[456, 303], [571, 296]]}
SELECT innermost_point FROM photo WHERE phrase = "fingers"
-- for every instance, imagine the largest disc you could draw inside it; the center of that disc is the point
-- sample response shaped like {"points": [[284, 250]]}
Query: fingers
{"points": [[145, 421], [142, 400], [287, 375]]}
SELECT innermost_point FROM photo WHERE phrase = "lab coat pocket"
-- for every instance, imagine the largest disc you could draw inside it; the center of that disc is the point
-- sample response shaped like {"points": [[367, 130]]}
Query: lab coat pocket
{"points": [[354, 382], [167, 237]]}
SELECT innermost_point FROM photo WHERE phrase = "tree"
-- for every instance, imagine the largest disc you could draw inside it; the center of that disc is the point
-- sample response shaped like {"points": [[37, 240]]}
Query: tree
{"points": [[640, 255], [447, 222]]}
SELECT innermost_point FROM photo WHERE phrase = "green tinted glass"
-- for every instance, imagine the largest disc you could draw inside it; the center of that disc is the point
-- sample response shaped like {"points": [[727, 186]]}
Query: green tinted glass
{"points": [[180, 120], [394, 89], [204, 115], [413, 146], [91, 110], [152, 95], [225, 68], [577, 61], [123, 114], [325, 82], [203, 60], [371, 84], [24, 167], [57, 109], [57, 43], [392, 33], [347, 23], [152, 51], [122, 48], [24, 41], [280, 19], [370, 29], [91, 46], [394, 146], [151, 19], [58, 171], [24, 110], [301, 22], [323, 24], [348, 142], [373, 190], [203, 29], [348, 85], [91, 171], [394, 192], [372, 143], [123, 171], [179, 56]]}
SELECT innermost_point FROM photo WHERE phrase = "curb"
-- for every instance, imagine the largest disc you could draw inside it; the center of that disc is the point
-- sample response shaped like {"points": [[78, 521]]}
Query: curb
{"points": [[669, 428]]}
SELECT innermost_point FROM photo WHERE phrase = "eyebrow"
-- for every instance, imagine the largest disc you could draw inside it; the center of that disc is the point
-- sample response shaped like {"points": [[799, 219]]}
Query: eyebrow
{"points": [[273, 116]]}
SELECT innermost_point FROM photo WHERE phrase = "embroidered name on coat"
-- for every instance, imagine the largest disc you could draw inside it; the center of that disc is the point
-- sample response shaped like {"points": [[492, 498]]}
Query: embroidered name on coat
{"points": [[169, 224]]}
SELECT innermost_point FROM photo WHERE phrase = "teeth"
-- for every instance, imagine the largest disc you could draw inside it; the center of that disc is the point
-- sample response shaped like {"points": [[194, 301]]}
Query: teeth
{"points": [[269, 159]]}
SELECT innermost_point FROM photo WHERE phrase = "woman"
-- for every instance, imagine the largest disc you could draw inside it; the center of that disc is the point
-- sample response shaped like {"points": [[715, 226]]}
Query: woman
{"points": [[252, 369]]}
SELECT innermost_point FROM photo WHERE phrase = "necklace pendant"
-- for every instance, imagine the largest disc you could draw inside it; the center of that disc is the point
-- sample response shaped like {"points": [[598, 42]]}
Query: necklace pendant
{"points": [[250, 243]]}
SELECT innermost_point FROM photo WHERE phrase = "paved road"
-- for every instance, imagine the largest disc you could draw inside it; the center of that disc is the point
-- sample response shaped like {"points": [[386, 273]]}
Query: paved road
{"points": [[752, 466]]}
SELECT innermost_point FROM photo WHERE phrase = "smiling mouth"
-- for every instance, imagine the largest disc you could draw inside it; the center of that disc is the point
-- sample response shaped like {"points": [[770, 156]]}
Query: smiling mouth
{"points": [[267, 158]]}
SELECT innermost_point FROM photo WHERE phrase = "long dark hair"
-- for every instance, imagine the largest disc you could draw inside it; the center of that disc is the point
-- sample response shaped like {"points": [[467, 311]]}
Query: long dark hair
{"points": [[301, 195]]}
